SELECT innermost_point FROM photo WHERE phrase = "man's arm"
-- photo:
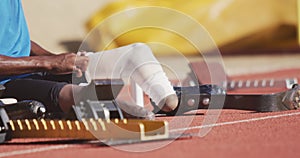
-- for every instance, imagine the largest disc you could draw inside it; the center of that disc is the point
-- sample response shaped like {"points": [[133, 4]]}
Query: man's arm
{"points": [[22, 65], [42, 60], [55, 64]]}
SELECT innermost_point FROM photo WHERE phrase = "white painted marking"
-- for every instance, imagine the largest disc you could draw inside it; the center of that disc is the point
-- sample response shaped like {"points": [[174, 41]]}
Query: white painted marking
{"points": [[236, 122], [232, 84], [35, 150], [272, 82], [240, 84], [248, 82], [263, 83], [256, 83]]}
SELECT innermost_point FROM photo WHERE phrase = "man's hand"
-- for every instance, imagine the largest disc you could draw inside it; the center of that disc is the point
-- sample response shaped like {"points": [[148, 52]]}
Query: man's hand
{"points": [[63, 63], [68, 63]]}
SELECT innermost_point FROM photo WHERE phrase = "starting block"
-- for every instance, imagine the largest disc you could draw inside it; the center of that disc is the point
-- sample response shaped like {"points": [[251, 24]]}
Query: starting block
{"points": [[102, 103], [93, 121], [110, 132]]}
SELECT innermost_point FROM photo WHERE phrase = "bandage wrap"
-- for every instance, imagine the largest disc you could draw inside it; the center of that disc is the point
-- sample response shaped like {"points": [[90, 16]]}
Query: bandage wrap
{"points": [[135, 61]]}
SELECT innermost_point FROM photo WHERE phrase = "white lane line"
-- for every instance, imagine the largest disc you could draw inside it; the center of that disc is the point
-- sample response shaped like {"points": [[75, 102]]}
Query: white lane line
{"points": [[236, 122], [29, 151]]}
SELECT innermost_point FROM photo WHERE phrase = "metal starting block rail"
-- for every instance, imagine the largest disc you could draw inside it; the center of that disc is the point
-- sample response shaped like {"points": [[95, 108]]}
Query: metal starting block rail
{"points": [[97, 118], [110, 131]]}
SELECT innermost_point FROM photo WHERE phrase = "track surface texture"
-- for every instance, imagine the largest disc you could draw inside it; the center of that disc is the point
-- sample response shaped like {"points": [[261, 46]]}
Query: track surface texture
{"points": [[236, 134]]}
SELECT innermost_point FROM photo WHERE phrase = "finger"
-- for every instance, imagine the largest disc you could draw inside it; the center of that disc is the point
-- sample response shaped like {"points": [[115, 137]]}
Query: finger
{"points": [[82, 63], [80, 59], [78, 72], [81, 53], [82, 67]]}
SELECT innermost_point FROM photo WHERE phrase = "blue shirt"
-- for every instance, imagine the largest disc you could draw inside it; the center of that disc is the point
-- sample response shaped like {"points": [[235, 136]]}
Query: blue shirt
{"points": [[14, 35]]}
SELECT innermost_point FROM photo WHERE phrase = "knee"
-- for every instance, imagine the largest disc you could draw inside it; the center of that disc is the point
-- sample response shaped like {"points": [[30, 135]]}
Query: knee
{"points": [[141, 51], [141, 47]]}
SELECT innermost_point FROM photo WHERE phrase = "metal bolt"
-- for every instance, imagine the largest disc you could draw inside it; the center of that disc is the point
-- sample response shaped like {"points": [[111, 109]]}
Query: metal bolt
{"points": [[81, 103], [191, 102], [206, 101]]}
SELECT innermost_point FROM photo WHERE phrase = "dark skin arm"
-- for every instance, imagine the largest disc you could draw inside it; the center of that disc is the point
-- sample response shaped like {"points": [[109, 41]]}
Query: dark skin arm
{"points": [[43, 61]]}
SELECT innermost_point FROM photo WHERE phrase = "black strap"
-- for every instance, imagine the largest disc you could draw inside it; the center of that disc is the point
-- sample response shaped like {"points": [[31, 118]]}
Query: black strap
{"points": [[214, 97]]}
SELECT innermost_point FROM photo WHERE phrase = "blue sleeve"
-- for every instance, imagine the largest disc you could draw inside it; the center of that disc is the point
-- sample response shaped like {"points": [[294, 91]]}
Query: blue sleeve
{"points": [[14, 35]]}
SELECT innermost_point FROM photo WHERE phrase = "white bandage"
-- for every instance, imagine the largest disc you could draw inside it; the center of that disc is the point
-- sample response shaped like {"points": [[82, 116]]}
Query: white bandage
{"points": [[135, 61]]}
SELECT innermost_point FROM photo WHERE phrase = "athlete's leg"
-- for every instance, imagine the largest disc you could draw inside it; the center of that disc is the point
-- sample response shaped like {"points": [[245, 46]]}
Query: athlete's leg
{"points": [[137, 62]]}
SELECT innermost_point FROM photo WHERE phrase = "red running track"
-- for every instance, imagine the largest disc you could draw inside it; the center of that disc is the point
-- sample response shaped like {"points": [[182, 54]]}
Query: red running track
{"points": [[236, 134]]}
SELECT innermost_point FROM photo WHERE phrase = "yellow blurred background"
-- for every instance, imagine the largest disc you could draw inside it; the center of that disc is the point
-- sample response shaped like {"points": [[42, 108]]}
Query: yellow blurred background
{"points": [[237, 26]]}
